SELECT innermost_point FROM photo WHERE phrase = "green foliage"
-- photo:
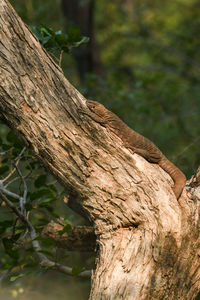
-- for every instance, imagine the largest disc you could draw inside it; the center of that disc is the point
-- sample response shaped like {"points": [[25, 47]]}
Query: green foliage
{"points": [[44, 203], [57, 40], [66, 228]]}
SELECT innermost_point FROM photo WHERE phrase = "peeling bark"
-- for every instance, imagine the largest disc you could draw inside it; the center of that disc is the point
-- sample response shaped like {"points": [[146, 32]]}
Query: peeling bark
{"points": [[148, 242]]}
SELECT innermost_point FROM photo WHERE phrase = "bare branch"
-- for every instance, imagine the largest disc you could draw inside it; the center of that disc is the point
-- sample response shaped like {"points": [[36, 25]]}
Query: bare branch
{"points": [[23, 199], [8, 193]]}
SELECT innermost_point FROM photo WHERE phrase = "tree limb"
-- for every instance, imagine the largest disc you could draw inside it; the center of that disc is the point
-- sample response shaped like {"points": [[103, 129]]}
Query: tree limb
{"points": [[79, 238]]}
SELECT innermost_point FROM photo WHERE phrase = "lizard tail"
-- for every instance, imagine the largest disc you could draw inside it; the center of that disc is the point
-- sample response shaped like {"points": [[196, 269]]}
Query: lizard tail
{"points": [[177, 176]]}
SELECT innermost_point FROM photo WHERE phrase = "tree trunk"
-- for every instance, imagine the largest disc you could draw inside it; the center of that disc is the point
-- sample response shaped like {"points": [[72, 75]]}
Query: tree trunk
{"points": [[148, 243]]}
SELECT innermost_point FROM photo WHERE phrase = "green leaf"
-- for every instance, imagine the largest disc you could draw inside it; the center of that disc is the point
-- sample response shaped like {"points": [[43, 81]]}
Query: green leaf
{"points": [[53, 188], [36, 31], [67, 221], [11, 137], [47, 41], [28, 206], [13, 278], [66, 228], [46, 241], [62, 41], [57, 41], [61, 38], [45, 35], [4, 169], [45, 202], [40, 181], [40, 193], [46, 31], [83, 40]]}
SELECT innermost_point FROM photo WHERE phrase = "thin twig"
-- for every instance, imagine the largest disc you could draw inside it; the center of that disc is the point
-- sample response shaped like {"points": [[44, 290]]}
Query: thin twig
{"points": [[187, 147], [60, 58], [23, 199], [54, 56], [16, 161], [11, 181], [8, 193], [16, 178]]}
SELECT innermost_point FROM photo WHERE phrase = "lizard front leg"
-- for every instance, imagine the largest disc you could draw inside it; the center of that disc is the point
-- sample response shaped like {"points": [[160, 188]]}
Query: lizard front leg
{"points": [[92, 115]]}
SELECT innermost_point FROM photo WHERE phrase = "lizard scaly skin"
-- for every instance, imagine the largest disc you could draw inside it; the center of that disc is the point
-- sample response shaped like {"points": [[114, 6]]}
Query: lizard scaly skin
{"points": [[136, 142]]}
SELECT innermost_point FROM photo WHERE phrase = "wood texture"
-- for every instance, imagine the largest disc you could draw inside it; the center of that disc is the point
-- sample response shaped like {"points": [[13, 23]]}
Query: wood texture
{"points": [[148, 242]]}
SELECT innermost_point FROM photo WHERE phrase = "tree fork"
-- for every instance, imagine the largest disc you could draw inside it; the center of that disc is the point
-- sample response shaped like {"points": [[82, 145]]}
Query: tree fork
{"points": [[148, 242]]}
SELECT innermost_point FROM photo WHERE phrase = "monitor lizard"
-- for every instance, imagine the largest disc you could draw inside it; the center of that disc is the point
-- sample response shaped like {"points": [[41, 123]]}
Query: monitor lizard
{"points": [[136, 142]]}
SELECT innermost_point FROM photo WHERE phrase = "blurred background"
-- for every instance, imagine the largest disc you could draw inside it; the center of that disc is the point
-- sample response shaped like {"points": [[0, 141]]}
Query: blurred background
{"points": [[142, 61]]}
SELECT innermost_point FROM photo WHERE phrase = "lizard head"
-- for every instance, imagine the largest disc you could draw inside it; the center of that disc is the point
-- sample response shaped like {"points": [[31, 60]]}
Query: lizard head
{"points": [[97, 108]]}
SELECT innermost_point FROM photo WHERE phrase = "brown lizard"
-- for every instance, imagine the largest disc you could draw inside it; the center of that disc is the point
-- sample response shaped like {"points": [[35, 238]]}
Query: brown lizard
{"points": [[136, 142]]}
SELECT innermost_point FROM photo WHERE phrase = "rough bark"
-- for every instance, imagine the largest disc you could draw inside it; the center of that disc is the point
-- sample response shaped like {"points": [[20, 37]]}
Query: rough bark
{"points": [[148, 242]]}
